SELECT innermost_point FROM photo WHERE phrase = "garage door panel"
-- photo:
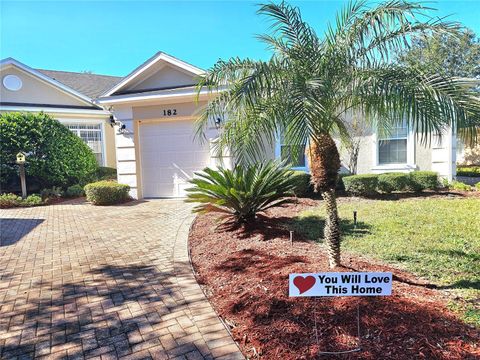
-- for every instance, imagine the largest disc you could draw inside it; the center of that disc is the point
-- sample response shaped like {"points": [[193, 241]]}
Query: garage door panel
{"points": [[169, 157]]}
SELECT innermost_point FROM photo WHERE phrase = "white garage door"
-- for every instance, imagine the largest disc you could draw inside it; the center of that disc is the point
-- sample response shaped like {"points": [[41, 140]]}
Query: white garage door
{"points": [[169, 157]]}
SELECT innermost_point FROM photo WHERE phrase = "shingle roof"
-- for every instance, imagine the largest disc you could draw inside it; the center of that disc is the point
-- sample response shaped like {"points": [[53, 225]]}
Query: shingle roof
{"points": [[91, 85]]}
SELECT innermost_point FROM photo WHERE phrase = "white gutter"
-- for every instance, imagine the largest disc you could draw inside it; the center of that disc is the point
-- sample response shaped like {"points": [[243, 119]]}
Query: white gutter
{"points": [[85, 112]]}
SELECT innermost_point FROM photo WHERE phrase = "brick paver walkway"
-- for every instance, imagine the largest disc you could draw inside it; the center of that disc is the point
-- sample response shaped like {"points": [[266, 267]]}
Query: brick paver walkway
{"points": [[78, 281]]}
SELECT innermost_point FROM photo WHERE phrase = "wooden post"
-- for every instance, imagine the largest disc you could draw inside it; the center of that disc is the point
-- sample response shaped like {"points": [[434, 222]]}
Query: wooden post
{"points": [[23, 181], [21, 168]]}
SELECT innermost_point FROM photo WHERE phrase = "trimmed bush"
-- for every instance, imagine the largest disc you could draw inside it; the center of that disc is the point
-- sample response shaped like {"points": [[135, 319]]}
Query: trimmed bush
{"points": [[74, 191], [361, 185], [56, 156], [32, 200], [469, 171], [10, 200], [477, 186], [457, 185], [239, 194], [423, 180], [389, 182], [303, 187], [106, 192]]}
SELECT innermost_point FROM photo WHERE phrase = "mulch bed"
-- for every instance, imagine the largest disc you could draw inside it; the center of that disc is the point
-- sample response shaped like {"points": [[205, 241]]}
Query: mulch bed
{"points": [[245, 276]]}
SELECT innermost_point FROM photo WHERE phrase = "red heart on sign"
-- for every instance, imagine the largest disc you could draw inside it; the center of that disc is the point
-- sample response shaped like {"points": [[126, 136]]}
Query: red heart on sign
{"points": [[304, 283]]}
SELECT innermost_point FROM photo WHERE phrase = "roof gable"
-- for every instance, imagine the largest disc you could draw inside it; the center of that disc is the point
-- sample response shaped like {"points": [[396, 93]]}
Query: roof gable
{"points": [[40, 88], [162, 71]]}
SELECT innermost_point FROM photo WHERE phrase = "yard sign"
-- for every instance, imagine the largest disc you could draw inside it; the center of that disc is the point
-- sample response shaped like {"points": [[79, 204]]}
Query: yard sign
{"points": [[341, 284]]}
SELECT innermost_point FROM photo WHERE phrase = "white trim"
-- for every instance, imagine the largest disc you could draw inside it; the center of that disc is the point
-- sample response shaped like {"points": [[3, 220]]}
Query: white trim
{"points": [[100, 122], [408, 166], [80, 112], [8, 62], [160, 95], [155, 59]]}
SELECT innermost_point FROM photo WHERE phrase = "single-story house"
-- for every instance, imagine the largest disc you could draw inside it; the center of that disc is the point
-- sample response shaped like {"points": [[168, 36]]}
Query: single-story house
{"points": [[67, 96], [152, 143]]}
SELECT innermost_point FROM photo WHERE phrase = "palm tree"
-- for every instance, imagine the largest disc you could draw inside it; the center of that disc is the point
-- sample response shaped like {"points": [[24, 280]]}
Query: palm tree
{"points": [[310, 85]]}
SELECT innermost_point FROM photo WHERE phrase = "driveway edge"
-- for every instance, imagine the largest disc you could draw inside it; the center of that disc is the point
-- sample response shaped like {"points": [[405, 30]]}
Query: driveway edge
{"points": [[216, 341]]}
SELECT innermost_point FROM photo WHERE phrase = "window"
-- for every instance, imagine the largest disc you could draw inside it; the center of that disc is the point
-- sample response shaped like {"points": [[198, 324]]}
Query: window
{"points": [[294, 155], [392, 149], [91, 134]]}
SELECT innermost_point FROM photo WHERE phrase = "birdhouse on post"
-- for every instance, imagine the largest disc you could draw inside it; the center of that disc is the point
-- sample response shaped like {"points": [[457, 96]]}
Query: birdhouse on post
{"points": [[20, 158], [21, 167]]}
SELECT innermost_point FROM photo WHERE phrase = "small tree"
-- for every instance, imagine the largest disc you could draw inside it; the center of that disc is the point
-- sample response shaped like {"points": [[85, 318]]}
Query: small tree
{"points": [[55, 156], [311, 82]]}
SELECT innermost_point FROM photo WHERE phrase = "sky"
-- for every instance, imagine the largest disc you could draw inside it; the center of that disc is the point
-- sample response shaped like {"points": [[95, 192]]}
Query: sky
{"points": [[114, 37]]}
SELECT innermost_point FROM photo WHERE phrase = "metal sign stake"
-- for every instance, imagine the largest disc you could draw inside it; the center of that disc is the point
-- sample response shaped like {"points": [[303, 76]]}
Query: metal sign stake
{"points": [[358, 348]]}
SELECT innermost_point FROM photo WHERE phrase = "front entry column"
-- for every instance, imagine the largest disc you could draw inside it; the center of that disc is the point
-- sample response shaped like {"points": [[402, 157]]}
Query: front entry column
{"points": [[126, 149]]}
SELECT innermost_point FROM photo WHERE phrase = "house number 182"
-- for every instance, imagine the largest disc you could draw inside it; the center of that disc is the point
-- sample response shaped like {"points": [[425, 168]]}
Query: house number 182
{"points": [[169, 112]]}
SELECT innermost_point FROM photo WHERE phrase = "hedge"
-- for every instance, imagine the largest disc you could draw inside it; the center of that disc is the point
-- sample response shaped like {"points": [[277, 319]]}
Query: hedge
{"points": [[106, 192], [468, 171], [361, 184], [423, 180], [303, 187], [370, 184], [389, 182]]}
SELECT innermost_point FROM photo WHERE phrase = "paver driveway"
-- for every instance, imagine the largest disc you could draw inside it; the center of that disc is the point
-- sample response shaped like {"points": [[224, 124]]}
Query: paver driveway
{"points": [[79, 281]]}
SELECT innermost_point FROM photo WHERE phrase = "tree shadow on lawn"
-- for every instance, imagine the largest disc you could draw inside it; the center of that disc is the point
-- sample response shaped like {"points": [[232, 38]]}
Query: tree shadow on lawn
{"points": [[103, 312], [311, 227], [308, 228], [283, 327]]}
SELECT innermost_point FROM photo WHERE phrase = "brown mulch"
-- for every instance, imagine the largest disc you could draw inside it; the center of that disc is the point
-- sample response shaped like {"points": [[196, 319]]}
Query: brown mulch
{"points": [[245, 276]]}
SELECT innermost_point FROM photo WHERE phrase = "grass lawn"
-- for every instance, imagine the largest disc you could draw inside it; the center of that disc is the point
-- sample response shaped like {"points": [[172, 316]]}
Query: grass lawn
{"points": [[438, 239]]}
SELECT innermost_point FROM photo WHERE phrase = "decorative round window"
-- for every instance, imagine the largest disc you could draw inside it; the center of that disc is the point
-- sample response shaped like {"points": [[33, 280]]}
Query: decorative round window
{"points": [[12, 82]]}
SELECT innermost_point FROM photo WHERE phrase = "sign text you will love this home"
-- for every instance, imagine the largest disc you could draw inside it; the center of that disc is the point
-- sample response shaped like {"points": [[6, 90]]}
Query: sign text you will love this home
{"points": [[341, 284]]}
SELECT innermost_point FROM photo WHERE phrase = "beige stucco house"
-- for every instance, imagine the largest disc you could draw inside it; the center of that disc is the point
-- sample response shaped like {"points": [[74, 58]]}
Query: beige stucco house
{"points": [[154, 108], [67, 96]]}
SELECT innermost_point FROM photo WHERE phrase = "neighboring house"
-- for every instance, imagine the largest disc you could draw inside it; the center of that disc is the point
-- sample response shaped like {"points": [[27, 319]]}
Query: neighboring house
{"points": [[67, 96], [155, 108]]}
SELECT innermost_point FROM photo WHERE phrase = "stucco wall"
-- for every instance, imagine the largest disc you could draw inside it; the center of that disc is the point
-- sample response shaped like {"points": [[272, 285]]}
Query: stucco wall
{"points": [[35, 91], [167, 76], [423, 155]]}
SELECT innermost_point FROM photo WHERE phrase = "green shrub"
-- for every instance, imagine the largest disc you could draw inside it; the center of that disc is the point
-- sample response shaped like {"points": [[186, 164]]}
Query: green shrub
{"points": [[106, 192], [56, 156], [469, 171], [52, 193], [10, 200], [105, 173], [303, 187], [457, 185], [361, 185], [74, 191], [32, 200], [241, 193], [423, 180], [477, 186], [389, 182]]}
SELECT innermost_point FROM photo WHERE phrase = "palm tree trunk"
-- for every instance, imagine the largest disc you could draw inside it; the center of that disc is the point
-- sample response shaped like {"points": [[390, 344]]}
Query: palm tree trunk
{"points": [[324, 162], [332, 228]]}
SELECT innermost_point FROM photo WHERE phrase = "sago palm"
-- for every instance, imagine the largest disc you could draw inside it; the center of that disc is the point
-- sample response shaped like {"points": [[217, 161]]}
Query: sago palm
{"points": [[311, 84]]}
